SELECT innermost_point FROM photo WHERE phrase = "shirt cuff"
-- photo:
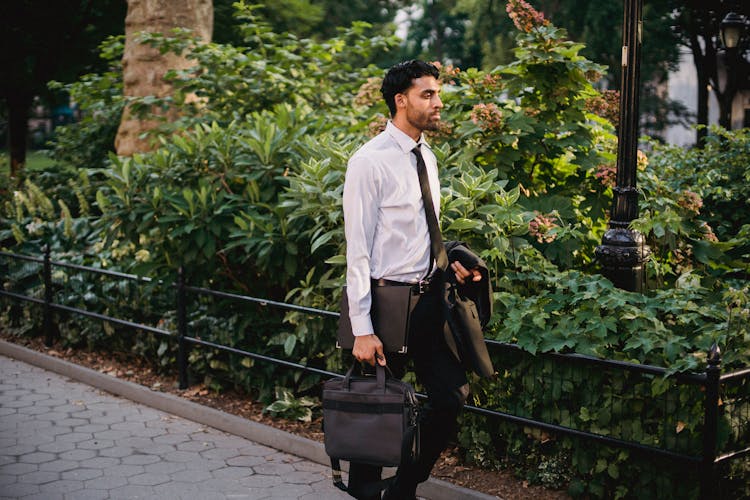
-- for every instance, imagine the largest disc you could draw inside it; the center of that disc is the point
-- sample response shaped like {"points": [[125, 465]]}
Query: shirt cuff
{"points": [[361, 325]]}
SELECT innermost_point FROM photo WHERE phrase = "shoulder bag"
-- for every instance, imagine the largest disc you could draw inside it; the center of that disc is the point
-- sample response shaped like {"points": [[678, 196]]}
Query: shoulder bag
{"points": [[371, 420]]}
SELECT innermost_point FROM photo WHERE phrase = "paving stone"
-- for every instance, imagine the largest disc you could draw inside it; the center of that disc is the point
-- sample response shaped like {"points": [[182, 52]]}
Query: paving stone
{"points": [[19, 468], [111, 434], [124, 470], [290, 490], [37, 457], [74, 437], [62, 486], [180, 456], [259, 481], [191, 476], [96, 444], [18, 450], [18, 490], [166, 468], [245, 461], [172, 439], [88, 494], [195, 446], [130, 491], [82, 474], [149, 479], [78, 454], [45, 496], [39, 477], [157, 449], [38, 439], [140, 459], [105, 482], [56, 446], [33, 410], [116, 452], [105, 419], [232, 472], [59, 465], [93, 429], [100, 462], [220, 453], [273, 469]]}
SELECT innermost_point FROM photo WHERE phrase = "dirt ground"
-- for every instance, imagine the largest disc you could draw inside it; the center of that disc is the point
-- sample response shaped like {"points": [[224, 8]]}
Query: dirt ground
{"points": [[449, 468]]}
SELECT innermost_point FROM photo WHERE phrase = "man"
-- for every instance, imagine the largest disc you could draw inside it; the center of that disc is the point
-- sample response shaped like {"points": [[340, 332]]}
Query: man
{"points": [[388, 241]]}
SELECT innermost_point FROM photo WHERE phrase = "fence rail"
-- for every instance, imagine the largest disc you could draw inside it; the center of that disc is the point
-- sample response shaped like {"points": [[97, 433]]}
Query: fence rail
{"points": [[708, 383]]}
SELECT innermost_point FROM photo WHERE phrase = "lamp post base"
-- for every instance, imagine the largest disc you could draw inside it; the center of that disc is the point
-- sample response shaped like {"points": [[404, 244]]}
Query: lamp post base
{"points": [[623, 255]]}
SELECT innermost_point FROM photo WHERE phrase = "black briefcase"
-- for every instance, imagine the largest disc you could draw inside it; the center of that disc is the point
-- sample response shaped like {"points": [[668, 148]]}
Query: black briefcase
{"points": [[371, 420], [390, 312]]}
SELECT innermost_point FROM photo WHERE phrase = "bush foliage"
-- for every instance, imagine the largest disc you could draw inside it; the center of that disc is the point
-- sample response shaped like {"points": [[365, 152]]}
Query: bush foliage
{"points": [[243, 192]]}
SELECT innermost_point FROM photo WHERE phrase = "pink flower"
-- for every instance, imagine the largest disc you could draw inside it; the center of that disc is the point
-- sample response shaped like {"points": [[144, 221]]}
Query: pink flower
{"points": [[377, 125], [607, 174], [606, 105], [487, 116], [369, 92], [690, 202], [540, 228], [707, 232], [524, 16]]}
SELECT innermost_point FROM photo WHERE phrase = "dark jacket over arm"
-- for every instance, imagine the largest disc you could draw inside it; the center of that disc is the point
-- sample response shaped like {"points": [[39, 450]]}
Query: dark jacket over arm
{"points": [[468, 309]]}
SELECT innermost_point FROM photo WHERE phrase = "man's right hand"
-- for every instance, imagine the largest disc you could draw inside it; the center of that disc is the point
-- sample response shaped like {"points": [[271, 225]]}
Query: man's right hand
{"points": [[368, 348]]}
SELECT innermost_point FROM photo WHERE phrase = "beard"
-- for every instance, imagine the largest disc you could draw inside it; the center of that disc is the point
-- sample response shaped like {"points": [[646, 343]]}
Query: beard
{"points": [[427, 120]]}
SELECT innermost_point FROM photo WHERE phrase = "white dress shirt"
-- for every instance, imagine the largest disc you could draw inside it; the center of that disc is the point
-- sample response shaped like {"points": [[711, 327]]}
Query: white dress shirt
{"points": [[384, 220]]}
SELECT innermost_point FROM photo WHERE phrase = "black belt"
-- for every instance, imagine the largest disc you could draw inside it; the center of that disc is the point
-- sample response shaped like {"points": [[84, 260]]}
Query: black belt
{"points": [[420, 288]]}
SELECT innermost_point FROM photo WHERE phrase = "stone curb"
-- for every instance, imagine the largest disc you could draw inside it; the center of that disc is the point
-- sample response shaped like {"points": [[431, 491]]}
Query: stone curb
{"points": [[434, 489]]}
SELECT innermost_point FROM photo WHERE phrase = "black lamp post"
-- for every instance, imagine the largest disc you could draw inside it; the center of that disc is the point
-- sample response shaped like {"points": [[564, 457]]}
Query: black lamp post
{"points": [[731, 33], [623, 253]]}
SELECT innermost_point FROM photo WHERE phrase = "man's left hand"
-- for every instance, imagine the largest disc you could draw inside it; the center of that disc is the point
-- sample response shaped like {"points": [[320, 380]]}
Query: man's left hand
{"points": [[463, 275]]}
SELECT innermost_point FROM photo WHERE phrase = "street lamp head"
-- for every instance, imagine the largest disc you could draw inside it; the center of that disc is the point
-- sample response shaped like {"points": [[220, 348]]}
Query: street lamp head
{"points": [[732, 29]]}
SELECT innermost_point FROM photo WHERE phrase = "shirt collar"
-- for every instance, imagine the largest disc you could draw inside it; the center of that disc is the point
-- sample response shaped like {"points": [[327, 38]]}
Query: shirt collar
{"points": [[404, 142]]}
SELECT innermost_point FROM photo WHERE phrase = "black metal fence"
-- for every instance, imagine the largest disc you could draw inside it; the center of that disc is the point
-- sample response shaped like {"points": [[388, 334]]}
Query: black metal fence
{"points": [[549, 379]]}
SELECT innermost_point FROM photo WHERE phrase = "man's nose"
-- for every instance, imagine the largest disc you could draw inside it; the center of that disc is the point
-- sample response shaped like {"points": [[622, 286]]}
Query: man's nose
{"points": [[438, 102]]}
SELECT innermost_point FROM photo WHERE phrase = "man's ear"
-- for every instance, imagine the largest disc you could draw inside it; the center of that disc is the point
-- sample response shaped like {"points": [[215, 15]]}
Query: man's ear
{"points": [[400, 100]]}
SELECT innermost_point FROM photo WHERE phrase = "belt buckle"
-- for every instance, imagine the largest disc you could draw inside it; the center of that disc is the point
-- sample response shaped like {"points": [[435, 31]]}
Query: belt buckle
{"points": [[423, 286]]}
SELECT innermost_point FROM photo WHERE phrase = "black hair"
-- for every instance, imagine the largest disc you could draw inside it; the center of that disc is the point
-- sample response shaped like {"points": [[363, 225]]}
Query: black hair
{"points": [[399, 78]]}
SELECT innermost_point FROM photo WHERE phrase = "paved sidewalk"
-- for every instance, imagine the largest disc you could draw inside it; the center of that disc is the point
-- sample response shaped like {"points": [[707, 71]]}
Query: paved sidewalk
{"points": [[63, 437], [60, 439]]}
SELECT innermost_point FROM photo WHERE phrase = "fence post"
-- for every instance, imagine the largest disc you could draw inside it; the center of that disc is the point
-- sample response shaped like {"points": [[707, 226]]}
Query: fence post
{"points": [[47, 278], [710, 424], [182, 362]]}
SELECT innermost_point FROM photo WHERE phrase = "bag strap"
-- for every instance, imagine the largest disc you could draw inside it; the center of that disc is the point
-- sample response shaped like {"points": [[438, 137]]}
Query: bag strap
{"points": [[366, 490], [437, 248], [411, 439]]}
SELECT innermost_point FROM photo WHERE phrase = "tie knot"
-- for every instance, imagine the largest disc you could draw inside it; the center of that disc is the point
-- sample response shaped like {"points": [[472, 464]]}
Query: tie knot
{"points": [[417, 150]]}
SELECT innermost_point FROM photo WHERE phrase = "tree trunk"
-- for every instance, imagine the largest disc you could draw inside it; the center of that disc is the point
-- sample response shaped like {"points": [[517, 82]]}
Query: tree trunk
{"points": [[18, 119], [144, 67]]}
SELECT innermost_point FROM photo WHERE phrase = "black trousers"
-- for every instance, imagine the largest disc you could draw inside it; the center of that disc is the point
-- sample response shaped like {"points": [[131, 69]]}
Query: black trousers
{"points": [[443, 379]]}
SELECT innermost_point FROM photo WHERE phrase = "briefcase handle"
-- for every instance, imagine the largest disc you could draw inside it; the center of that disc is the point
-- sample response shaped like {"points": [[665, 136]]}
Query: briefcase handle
{"points": [[380, 374]]}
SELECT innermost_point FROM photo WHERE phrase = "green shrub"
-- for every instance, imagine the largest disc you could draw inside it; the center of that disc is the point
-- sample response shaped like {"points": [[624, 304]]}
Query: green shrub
{"points": [[244, 194]]}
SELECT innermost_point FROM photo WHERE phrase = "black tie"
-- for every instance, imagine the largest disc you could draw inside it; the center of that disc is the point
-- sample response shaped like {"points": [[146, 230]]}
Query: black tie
{"points": [[436, 240]]}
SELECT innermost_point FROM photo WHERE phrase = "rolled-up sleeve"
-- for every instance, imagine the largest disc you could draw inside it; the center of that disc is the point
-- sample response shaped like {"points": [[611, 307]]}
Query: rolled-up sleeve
{"points": [[360, 220]]}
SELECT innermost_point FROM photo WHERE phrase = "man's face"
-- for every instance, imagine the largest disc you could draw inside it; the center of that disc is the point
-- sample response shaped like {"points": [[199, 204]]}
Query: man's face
{"points": [[423, 104]]}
